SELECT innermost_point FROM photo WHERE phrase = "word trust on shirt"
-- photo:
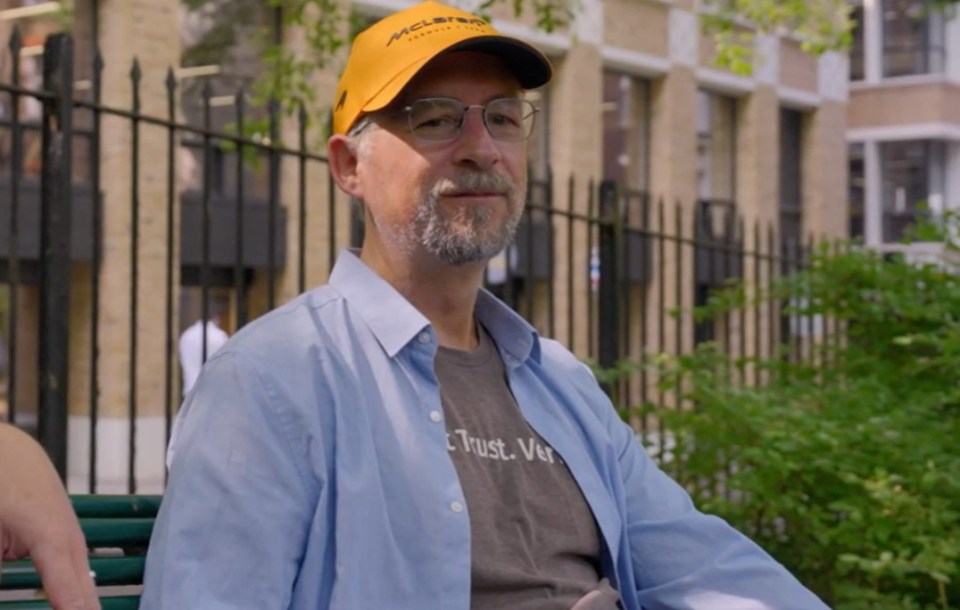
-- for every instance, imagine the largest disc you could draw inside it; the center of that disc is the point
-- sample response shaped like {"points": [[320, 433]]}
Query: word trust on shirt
{"points": [[529, 448]]}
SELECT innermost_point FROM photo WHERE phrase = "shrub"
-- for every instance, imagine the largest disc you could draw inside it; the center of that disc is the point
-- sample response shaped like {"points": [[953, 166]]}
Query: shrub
{"points": [[844, 465]]}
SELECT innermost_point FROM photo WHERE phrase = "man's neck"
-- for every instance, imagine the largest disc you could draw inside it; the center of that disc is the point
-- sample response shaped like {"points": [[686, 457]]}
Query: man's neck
{"points": [[444, 294]]}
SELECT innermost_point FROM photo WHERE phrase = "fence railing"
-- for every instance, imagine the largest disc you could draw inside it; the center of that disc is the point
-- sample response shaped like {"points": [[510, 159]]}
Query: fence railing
{"points": [[128, 226]]}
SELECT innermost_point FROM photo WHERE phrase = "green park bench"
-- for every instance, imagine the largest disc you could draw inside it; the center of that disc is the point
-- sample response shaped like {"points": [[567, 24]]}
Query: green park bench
{"points": [[117, 529]]}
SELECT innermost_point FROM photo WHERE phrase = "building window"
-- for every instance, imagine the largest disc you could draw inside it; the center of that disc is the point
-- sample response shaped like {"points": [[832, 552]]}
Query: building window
{"points": [[857, 46], [716, 147], [913, 38], [626, 166], [857, 191], [626, 130], [716, 221], [790, 221], [913, 181], [791, 178]]}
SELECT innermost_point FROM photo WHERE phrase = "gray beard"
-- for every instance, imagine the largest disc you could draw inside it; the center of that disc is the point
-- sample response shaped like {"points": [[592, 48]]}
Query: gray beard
{"points": [[465, 237]]}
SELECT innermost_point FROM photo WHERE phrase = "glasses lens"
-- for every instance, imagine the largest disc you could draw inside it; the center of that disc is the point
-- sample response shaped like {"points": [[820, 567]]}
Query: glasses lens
{"points": [[510, 119], [436, 118]]}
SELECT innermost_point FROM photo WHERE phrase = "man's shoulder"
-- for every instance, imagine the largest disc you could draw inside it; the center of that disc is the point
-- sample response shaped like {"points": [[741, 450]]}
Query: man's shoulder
{"points": [[573, 373], [555, 355], [294, 325]]}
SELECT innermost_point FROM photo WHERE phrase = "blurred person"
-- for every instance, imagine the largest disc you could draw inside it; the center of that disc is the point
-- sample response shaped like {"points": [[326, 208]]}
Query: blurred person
{"points": [[198, 342], [399, 438]]}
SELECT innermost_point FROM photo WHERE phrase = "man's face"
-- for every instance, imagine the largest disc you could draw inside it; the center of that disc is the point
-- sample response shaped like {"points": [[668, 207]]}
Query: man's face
{"points": [[456, 202]]}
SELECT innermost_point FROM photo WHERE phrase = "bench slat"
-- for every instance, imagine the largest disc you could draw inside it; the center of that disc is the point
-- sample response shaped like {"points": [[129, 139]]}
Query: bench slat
{"points": [[19, 575], [113, 571], [110, 571], [115, 506], [124, 602], [116, 532]]}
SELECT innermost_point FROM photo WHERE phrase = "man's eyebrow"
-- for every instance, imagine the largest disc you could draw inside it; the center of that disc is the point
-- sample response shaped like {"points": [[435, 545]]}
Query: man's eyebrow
{"points": [[518, 95], [406, 101]]}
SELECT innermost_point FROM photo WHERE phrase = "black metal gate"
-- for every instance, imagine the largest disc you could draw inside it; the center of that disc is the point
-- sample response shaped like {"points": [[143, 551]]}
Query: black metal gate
{"points": [[612, 273]]}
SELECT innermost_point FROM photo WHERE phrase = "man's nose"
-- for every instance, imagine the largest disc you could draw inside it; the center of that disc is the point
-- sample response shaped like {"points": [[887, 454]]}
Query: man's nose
{"points": [[475, 145]]}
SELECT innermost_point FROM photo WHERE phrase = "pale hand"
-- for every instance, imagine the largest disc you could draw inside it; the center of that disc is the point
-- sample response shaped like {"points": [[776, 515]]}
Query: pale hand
{"points": [[36, 520]]}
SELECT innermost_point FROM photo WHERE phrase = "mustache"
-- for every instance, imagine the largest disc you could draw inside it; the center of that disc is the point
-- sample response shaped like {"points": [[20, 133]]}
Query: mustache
{"points": [[474, 181]]}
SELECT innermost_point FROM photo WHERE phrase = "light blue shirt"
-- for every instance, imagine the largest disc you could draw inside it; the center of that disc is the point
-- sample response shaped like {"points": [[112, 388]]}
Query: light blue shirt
{"points": [[310, 471]]}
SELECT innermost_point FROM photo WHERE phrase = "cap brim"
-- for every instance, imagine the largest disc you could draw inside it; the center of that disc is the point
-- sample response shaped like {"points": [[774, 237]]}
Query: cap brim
{"points": [[529, 65]]}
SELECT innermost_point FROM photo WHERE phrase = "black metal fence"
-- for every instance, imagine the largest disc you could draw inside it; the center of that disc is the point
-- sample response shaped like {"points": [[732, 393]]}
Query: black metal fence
{"points": [[128, 226]]}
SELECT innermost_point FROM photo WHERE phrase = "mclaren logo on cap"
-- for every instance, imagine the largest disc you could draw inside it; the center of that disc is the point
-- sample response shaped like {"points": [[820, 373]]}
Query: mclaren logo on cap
{"points": [[430, 24], [342, 100]]}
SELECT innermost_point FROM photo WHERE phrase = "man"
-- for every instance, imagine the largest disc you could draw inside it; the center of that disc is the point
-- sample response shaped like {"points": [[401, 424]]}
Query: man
{"points": [[198, 342], [36, 520], [401, 439]]}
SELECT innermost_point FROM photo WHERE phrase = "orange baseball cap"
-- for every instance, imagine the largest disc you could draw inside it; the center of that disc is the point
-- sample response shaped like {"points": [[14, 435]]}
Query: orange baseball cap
{"points": [[388, 54]]}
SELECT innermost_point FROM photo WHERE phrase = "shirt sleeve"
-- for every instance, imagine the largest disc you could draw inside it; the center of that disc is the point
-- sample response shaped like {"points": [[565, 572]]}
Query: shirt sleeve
{"points": [[236, 512], [683, 559]]}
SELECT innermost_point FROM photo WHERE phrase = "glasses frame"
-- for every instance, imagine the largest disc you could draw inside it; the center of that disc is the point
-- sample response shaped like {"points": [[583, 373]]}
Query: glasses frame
{"points": [[465, 108]]}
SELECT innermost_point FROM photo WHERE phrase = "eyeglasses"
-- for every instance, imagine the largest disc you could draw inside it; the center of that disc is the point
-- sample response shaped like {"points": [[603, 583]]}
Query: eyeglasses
{"points": [[440, 119]]}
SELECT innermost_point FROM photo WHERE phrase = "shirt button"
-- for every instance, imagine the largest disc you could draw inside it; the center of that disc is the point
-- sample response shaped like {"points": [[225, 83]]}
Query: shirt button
{"points": [[424, 337], [435, 416], [456, 507]]}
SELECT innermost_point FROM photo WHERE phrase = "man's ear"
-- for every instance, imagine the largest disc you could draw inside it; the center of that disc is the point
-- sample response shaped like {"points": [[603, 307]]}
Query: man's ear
{"points": [[343, 163]]}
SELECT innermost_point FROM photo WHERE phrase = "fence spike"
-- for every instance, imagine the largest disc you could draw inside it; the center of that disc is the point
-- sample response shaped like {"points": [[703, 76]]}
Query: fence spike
{"points": [[773, 244], [591, 198], [16, 41], [273, 120], [171, 84], [97, 61], [239, 103], [135, 73]]}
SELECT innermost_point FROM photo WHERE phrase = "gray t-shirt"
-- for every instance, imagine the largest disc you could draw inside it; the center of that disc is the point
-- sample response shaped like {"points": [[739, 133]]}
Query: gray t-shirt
{"points": [[534, 541]]}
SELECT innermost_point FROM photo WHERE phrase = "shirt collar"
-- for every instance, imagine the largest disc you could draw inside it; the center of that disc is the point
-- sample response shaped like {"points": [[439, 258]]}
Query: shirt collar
{"points": [[514, 336], [395, 322], [391, 317]]}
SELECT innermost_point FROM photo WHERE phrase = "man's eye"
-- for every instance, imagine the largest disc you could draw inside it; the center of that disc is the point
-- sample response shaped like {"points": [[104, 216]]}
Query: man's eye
{"points": [[503, 119], [436, 121]]}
